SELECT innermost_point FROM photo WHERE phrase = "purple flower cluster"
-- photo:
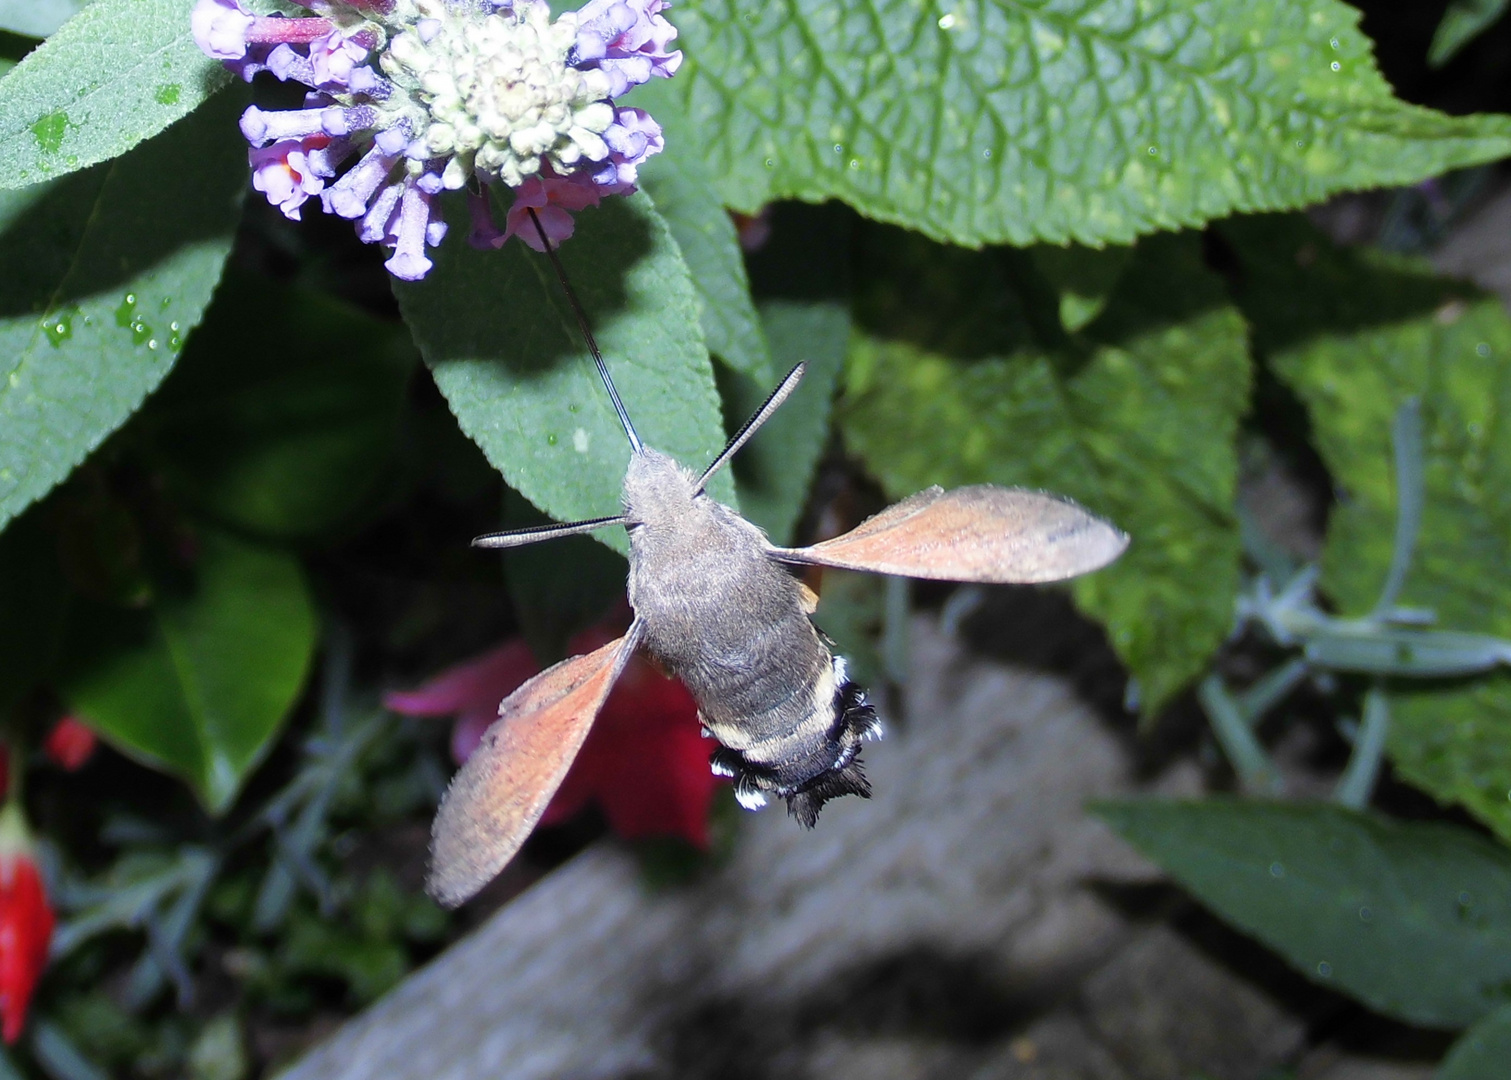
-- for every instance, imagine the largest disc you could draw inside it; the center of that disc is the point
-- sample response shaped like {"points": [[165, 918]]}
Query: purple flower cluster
{"points": [[422, 96]]}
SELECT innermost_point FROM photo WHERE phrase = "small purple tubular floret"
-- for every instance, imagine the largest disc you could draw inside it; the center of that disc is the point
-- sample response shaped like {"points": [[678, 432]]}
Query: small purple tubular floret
{"points": [[391, 191]]}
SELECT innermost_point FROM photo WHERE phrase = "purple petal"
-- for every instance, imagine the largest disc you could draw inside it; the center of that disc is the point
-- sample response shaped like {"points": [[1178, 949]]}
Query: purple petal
{"points": [[287, 64], [261, 126], [338, 121], [324, 160], [409, 262], [377, 224], [220, 28], [631, 138], [485, 232], [554, 199], [349, 196], [335, 60], [628, 40], [284, 173], [392, 141]]}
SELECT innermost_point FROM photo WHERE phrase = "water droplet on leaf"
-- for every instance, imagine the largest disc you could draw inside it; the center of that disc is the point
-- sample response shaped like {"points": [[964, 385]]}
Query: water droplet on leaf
{"points": [[58, 331], [49, 131], [126, 313]]}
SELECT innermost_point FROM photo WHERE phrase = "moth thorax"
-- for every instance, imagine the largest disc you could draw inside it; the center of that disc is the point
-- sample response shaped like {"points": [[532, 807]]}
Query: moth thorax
{"points": [[658, 492], [817, 769]]}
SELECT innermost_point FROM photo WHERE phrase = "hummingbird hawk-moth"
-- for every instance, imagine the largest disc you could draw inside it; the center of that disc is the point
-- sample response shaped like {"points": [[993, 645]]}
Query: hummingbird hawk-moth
{"points": [[715, 605]]}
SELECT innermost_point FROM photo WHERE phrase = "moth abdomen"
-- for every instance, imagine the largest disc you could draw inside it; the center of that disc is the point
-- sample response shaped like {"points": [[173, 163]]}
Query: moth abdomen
{"points": [[814, 770]]}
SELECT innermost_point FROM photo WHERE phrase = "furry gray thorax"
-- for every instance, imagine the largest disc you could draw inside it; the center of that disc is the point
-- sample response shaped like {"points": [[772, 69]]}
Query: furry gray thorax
{"points": [[728, 620]]}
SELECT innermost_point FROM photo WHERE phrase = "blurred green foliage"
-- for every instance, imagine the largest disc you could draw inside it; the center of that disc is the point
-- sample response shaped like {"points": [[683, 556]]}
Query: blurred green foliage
{"points": [[238, 473]]}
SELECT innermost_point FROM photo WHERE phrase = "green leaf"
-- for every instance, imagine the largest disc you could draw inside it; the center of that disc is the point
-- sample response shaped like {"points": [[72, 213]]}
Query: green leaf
{"points": [[37, 18], [802, 274], [1135, 418], [684, 194], [774, 470], [283, 414], [103, 274], [1355, 333], [1464, 21], [1483, 1051], [200, 681], [506, 352], [982, 121], [1414, 920], [852, 612], [117, 73], [559, 587]]}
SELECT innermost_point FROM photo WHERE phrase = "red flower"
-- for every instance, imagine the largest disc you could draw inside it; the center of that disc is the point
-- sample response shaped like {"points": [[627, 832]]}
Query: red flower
{"points": [[70, 743], [471, 691], [644, 762], [26, 923]]}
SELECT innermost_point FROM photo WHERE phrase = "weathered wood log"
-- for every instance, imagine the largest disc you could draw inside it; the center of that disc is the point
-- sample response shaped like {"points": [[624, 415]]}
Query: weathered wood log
{"points": [[931, 931]]}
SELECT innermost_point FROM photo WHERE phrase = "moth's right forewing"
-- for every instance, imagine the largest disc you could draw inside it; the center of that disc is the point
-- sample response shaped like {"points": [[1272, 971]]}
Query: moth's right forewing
{"points": [[496, 798], [983, 533]]}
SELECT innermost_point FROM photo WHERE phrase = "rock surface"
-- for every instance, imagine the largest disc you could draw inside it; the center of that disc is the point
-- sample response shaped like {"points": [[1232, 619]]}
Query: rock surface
{"points": [[971, 921]]}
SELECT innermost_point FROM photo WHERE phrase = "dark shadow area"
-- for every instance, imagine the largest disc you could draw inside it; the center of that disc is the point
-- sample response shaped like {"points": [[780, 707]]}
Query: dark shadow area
{"points": [[919, 993], [1038, 627], [1292, 283], [806, 256], [94, 231], [487, 306], [1329, 1016], [14, 47], [1478, 79]]}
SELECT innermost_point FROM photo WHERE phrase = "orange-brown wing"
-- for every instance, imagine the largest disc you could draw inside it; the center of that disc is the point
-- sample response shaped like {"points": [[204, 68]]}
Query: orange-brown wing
{"points": [[983, 533], [503, 789]]}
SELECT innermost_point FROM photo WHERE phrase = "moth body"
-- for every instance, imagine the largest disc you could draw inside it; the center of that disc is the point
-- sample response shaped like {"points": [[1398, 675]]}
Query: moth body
{"points": [[728, 620], [716, 607]]}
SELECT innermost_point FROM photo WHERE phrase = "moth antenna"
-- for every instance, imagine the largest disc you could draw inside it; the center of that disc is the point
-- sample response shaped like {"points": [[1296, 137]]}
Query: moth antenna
{"points": [[745, 434], [587, 332], [512, 538]]}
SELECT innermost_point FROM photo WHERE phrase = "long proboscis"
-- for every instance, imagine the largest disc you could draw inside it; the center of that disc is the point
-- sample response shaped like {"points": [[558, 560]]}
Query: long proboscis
{"points": [[587, 332]]}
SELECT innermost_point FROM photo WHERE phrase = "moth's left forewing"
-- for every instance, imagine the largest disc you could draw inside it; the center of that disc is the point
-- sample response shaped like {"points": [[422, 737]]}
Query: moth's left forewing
{"points": [[496, 798], [983, 533]]}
